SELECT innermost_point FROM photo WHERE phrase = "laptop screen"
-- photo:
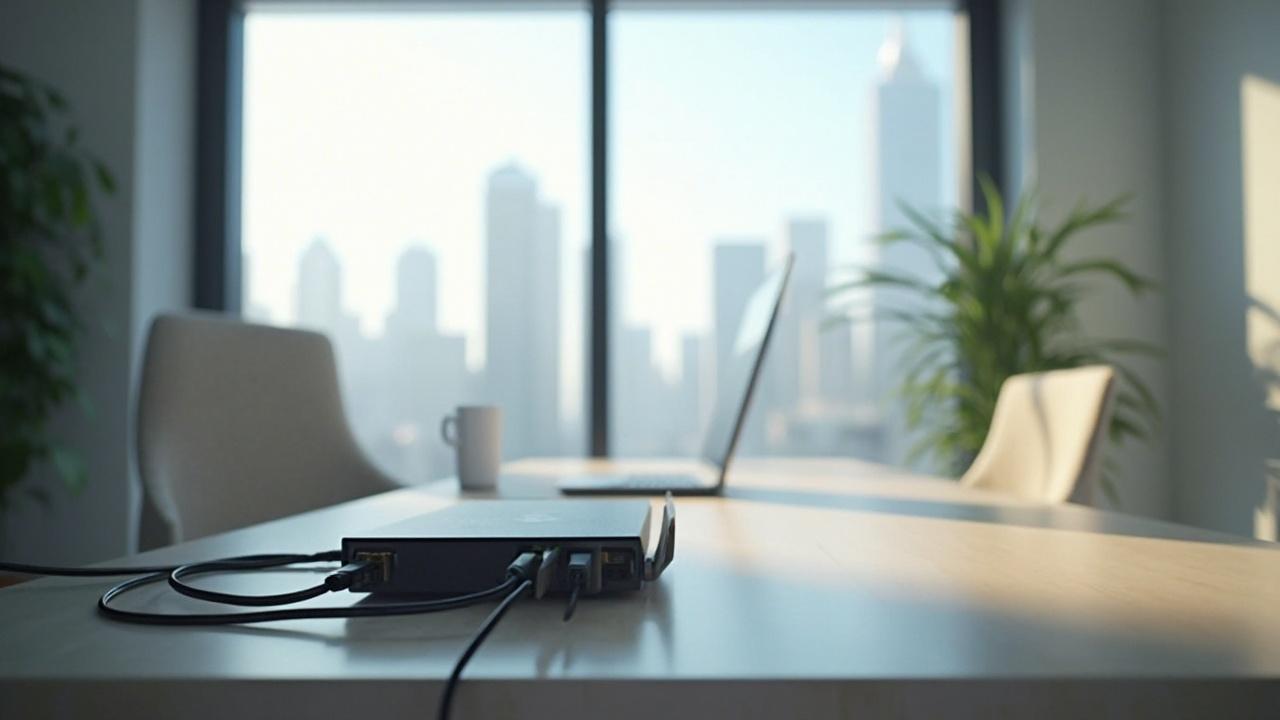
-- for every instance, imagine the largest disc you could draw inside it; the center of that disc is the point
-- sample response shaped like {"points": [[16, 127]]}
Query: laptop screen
{"points": [[742, 370]]}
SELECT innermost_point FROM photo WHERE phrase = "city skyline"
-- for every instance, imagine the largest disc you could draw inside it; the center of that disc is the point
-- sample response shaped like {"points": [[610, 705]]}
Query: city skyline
{"points": [[818, 395], [378, 130]]}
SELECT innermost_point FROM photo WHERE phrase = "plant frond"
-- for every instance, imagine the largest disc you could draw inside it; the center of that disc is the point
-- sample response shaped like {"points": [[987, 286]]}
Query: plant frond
{"points": [[1135, 283], [872, 278], [1081, 218], [995, 205]]}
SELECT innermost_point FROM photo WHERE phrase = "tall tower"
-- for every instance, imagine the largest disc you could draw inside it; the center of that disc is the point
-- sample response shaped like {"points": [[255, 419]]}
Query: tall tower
{"points": [[416, 279], [689, 394], [908, 171], [318, 306], [639, 413], [522, 349], [908, 153], [738, 269], [319, 290], [544, 321], [808, 363], [426, 369]]}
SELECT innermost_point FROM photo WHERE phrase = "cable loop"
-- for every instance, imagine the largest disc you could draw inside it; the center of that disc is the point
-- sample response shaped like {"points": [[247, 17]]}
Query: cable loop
{"points": [[259, 562]]}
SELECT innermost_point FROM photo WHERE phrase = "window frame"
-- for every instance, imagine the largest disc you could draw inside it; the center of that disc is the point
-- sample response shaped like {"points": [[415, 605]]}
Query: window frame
{"points": [[216, 271]]}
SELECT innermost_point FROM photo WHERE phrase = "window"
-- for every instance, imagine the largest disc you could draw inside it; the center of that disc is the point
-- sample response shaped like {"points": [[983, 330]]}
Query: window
{"points": [[416, 182], [414, 186], [739, 135]]}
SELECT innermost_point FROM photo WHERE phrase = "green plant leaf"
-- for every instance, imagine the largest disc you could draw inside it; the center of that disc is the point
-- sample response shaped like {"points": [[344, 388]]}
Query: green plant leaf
{"points": [[70, 467], [1082, 218], [105, 180], [1133, 281], [995, 206], [50, 238], [1006, 304]]}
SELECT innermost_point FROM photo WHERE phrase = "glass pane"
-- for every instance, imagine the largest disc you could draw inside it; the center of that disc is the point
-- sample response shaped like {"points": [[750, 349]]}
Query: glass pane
{"points": [[415, 186], [740, 134]]}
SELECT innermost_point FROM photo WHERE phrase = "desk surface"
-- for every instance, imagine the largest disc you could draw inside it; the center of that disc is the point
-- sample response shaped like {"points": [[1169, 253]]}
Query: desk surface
{"points": [[814, 588]]}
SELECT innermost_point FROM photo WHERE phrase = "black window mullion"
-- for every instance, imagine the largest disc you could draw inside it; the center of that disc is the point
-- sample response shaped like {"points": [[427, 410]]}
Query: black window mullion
{"points": [[598, 433], [986, 127], [219, 98]]}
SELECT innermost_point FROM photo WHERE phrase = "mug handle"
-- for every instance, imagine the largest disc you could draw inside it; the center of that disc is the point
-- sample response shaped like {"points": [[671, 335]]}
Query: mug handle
{"points": [[450, 438]]}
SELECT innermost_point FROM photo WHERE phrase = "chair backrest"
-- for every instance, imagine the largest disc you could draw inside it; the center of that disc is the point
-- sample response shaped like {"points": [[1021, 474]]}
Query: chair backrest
{"points": [[241, 423], [1047, 435]]}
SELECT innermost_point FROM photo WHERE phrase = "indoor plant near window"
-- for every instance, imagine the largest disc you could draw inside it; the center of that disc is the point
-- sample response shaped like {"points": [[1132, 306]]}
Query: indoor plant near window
{"points": [[1005, 303], [50, 238]]}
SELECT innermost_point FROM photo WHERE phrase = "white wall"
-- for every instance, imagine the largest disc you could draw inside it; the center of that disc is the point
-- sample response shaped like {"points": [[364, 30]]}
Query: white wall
{"points": [[1083, 123], [1222, 429], [1179, 102], [126, 66], [164, 158]]}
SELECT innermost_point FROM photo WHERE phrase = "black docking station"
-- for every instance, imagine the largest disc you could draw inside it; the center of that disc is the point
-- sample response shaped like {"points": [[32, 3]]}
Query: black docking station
{"points": [[597, 546]]}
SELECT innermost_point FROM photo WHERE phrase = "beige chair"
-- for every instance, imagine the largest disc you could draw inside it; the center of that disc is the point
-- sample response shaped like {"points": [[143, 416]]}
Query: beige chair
{"points": [[238, 424], [1047, 435]]}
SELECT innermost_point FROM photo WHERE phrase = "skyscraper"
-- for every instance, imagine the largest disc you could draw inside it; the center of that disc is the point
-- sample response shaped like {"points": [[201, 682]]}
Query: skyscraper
{"points": [[522, 313], [639, 424], [416, 289], [319, 306], [836, 380], [908, 172], [689, 395], [738, 269], [318, 301], [426, 368], [810, 364], [544, 322]]}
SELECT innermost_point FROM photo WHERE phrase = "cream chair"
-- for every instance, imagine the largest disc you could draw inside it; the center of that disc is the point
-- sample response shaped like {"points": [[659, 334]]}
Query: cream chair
{"points": [[238, 424], [1047, 435]]}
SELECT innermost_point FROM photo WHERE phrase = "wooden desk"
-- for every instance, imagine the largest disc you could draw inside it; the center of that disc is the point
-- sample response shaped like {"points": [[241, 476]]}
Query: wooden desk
{"points": [[814, 589]]}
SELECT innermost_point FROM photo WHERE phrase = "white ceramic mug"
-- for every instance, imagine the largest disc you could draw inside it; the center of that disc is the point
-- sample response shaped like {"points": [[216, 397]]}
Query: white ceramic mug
{"points": [[475, 432]]}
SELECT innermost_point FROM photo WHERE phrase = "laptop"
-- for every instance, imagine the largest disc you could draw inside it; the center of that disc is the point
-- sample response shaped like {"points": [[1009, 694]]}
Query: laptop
{"points": [[728, 416]]}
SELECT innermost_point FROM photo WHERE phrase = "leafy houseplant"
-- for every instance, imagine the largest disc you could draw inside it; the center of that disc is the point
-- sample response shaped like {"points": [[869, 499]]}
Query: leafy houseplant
{"points": [[49, 240], [1006, 304]]}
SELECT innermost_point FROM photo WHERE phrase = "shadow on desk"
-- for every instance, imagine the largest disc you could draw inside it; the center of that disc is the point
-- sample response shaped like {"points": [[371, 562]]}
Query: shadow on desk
{"points": [[411, 637], [1056, 517], [733, 619]]}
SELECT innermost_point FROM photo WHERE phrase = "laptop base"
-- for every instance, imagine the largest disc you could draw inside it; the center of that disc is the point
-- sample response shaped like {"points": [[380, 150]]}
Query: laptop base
{"points": [[638, 484]]}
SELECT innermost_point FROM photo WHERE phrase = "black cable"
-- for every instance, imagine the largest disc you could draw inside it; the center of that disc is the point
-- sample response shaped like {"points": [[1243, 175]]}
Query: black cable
{"points": [[579, 571], [179, 573], [520, 575], [27, 569], [339, 580], [451, 686], [573, 602], [371, 610]]}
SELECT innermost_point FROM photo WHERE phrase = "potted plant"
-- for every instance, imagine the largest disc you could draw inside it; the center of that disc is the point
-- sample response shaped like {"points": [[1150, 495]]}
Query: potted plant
{"points": [[1006, 303], [50, 238]]}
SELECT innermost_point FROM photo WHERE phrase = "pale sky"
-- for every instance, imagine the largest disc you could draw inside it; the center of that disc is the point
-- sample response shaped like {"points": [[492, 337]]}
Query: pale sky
{"points": [[378, 130]]}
